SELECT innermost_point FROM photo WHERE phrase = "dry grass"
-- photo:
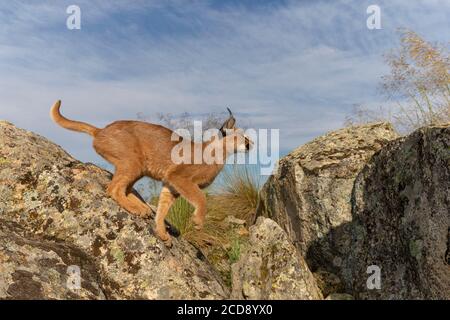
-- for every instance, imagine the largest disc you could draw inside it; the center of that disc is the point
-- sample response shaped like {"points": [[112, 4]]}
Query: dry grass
{"points": [[214, 229], [238, 192], [418, 84]]}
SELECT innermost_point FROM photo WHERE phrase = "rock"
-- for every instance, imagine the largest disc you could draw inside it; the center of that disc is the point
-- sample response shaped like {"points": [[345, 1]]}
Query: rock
{"points": [[340, 296], [59, 199], [33, 268], [401, 207], [233, 220], [309, 195], [271, 267], [328, 282]]}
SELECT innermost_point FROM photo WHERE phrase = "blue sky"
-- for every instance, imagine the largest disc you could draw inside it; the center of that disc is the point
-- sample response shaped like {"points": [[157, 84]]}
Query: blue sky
{"points": [[294, 65]]}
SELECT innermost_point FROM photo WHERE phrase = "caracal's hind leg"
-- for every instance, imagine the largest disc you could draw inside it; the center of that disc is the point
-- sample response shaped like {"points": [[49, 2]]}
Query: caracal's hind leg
{"points": [[166, 199], [119, 190], [144, 206]]}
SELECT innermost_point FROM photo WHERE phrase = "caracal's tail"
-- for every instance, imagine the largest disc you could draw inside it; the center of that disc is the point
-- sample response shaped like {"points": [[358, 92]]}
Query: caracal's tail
{"points": [[70, 124]]}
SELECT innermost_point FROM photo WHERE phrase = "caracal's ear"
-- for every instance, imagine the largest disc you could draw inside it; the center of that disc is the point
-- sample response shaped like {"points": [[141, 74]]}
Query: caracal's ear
{"points": [[228, 124]]}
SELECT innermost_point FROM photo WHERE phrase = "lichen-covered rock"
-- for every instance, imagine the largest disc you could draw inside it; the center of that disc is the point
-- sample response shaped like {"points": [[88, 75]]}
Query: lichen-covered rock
{"points": [[34, 268], [340, 296], [309, 194], [328, 282], [53, 196], [271, 267], [401, 207]]}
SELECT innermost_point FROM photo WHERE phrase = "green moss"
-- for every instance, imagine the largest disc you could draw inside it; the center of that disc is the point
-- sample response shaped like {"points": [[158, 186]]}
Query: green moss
{"points": [[4, 161], [415, 248], [360, 231], [118, 255]]}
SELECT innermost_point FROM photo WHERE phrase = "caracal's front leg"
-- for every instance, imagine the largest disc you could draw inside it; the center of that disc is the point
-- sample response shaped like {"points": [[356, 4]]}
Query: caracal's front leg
{"points": [[166, 199]]}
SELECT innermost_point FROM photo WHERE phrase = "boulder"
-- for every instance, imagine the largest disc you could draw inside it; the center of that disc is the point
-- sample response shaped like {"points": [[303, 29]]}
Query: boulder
{"points": [[271, 268], [34, 268], [309, 194], [401, 220], [58, 199]]}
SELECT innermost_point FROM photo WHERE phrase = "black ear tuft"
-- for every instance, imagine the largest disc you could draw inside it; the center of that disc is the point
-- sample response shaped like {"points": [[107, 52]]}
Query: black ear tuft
{"points": [[228, 124]]}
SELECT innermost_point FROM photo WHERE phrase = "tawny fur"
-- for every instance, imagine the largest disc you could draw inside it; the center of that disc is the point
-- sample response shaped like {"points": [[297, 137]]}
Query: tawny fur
{"points": [[138, 149]]}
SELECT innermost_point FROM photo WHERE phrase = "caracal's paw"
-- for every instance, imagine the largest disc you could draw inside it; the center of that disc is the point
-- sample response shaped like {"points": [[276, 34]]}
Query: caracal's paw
{"points": [[164, 236], [144, 212], [198, 223]]}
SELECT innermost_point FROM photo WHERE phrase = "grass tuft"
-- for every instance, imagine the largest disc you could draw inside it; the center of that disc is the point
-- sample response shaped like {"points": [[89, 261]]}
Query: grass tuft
{"points": [[235, 251], [238, 191]]}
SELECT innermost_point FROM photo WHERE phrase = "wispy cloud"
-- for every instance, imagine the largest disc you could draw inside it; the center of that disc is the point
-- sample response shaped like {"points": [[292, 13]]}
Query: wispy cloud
{"points": [[294, 65]]}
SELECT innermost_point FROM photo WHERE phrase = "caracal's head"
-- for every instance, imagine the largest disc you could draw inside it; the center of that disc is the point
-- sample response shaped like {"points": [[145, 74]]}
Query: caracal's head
{"points": [[236, 139]]}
